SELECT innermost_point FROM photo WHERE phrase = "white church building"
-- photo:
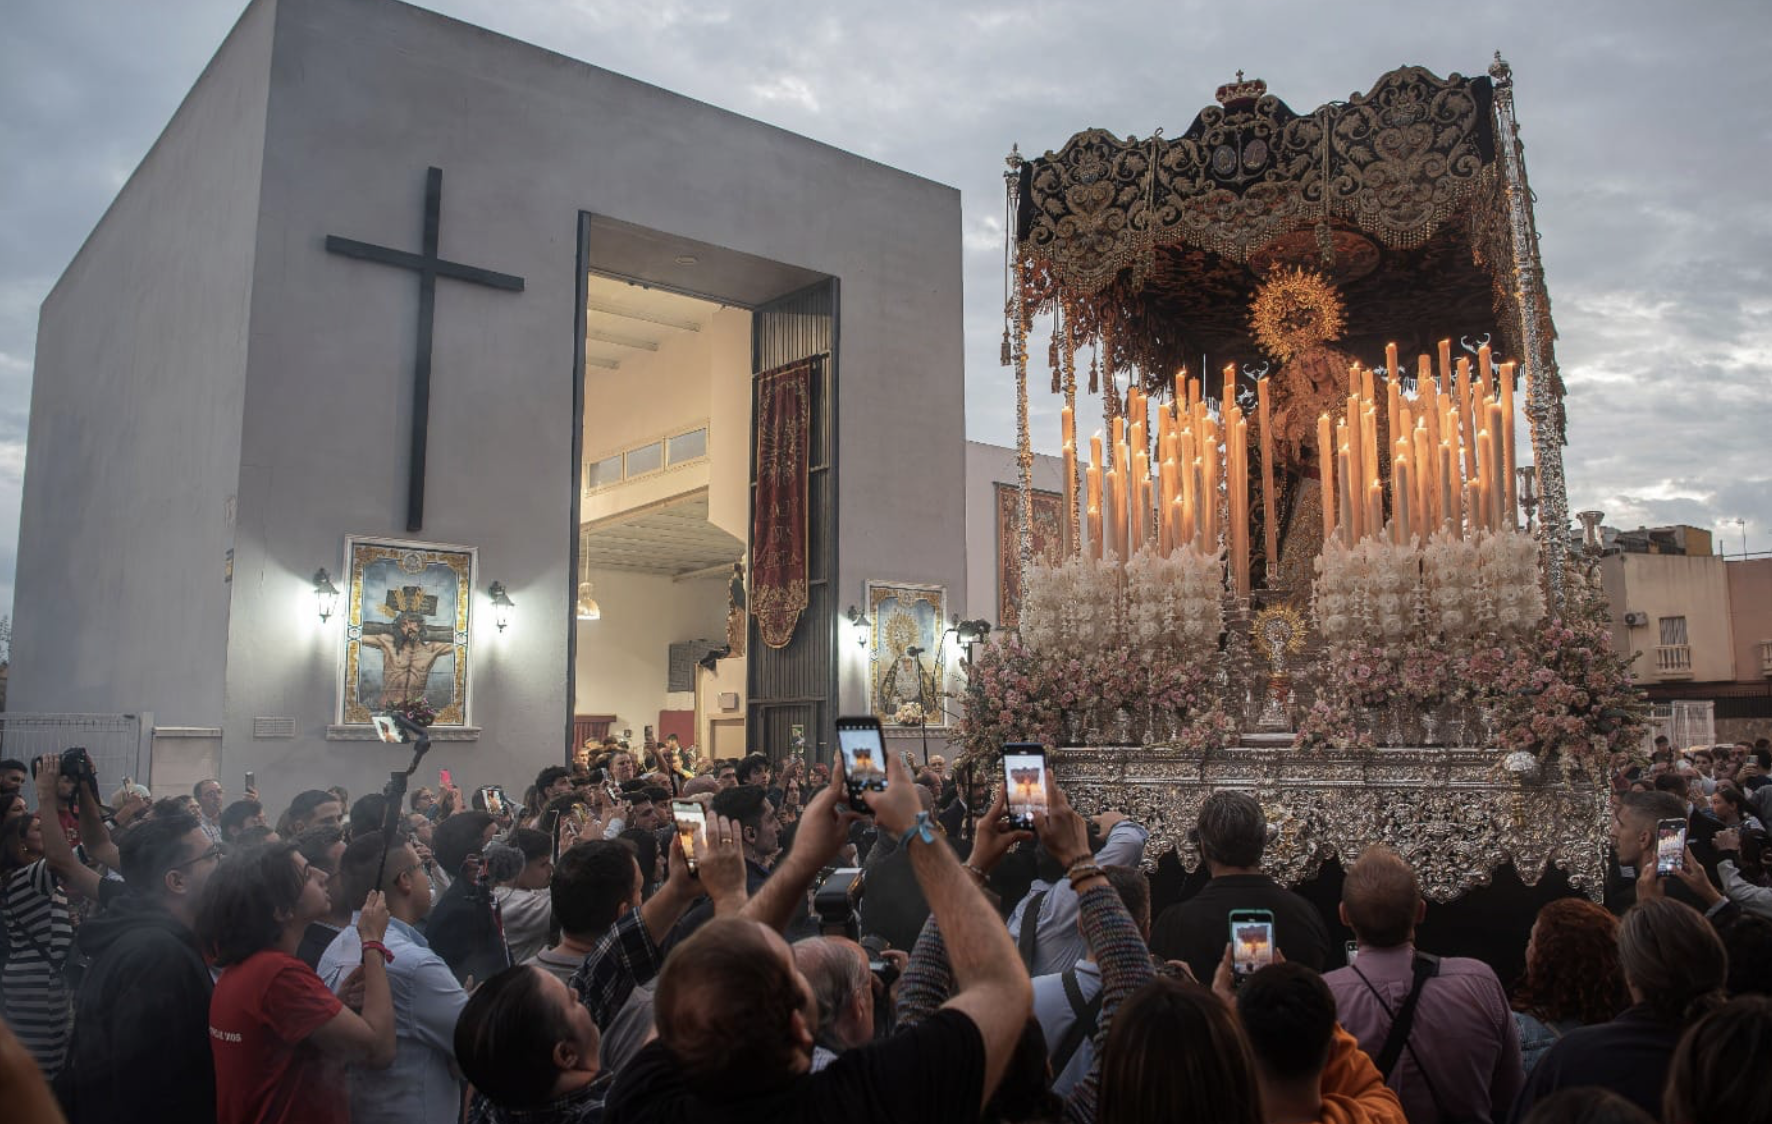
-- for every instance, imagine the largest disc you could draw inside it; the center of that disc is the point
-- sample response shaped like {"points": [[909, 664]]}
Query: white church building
{"points": [[506, 345]]}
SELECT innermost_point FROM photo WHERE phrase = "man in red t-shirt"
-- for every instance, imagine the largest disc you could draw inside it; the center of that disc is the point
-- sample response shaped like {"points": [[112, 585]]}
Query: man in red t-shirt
{"points": [[281, 1040]]}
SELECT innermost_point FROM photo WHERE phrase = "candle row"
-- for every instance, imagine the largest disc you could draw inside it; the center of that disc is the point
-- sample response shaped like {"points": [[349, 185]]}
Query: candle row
{"points": [[1449, 448], [1167, 496]]}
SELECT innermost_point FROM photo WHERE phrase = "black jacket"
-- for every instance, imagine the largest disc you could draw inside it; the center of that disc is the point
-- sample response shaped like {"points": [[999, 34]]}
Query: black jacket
{"points": [[141, 1037], [1198, 929], [461, 930]]}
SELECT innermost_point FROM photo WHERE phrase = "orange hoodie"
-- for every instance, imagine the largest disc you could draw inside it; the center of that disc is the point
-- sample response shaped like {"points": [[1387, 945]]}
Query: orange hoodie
{"points": [[1353, 1090]]}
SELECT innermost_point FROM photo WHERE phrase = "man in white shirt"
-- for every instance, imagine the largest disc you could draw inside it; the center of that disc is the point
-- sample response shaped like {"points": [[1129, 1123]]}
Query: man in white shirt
{"points": [[1068, 1005], [1057, 942], [422, 1084]]}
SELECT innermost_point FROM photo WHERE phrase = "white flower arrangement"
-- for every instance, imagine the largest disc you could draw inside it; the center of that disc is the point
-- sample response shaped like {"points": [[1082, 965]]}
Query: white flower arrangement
{"points": [[1155, 602], [1450, 589], [909, 714]]}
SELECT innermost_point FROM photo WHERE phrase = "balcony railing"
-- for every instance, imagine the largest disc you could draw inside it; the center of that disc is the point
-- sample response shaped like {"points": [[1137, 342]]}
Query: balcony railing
{"points": [[1673, 661], [1766, 658]]}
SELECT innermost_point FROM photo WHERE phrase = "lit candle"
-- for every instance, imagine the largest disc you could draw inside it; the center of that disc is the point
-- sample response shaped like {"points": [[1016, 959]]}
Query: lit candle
{"points": [[1508, 454], [1428, 397], [1485, 451], [1326, 475], [1349, 526], [1423, 462], [1117, 513], [1355, 442], [1230, 392], [1375, 509], [1122, 498], [1402, 501], [1449, 512], [1094, 481], [1240, 483], [1366, 390], [1467, 423], [1390, 364], [1485, 371], [1269, 501], [1141, 495]]}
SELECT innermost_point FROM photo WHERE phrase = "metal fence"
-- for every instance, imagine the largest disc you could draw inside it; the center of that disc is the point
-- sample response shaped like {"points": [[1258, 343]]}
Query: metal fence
{"points": [[119, 743], [1685, 723]]}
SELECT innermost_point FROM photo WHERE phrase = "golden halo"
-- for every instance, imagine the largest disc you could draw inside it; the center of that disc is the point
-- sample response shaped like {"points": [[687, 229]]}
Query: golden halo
{"points": [[1295, 310], [1279, 630]]}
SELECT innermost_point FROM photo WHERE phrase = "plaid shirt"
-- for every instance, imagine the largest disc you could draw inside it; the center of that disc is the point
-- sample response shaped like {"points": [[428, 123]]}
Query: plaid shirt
{"points": [[625, 957]]}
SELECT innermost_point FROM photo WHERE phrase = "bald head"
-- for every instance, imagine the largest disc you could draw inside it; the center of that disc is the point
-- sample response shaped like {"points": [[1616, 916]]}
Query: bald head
{"points": [[836, 968], [1381, 898]]}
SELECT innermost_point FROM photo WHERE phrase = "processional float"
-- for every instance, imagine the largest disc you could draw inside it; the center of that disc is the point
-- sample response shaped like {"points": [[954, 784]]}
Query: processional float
{"points": [[1307, 555]]}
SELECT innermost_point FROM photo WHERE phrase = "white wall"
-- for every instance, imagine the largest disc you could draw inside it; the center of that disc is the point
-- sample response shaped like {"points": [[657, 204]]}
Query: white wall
{"points": [[135, 420], [986, 466], [729, 442], [624, 658], [364, 95]]}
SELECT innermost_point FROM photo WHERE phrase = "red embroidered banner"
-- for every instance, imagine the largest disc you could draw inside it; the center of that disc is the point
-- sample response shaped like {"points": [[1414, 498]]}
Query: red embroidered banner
{"points": [[779, 528]]}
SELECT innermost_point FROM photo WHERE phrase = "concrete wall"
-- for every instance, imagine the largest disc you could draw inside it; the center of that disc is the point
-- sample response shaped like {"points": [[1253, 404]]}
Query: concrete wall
{"points": [[1750, 615], [1672, 585], [624, 658], [134, 442], [986, 466], [366, 94]]}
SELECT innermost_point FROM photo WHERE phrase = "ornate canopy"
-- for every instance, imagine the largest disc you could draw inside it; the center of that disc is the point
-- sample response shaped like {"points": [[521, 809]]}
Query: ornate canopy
{"points": [[1398, 195]]}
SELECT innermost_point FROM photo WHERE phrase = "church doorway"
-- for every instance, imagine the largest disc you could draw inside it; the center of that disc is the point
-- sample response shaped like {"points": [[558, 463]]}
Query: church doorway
{"points": [[682, 349]]}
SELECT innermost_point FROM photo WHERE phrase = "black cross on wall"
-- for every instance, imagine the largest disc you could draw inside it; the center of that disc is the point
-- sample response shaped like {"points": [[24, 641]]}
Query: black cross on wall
{"points": [[429, 267]]}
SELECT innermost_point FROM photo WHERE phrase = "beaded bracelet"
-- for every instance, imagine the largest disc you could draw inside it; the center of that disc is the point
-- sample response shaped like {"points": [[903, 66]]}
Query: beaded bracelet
{"points": [[1082, 872]]}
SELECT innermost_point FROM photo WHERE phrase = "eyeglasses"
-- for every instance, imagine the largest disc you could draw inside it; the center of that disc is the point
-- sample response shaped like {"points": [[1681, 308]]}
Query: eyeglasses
{"points": [[215, 852]]}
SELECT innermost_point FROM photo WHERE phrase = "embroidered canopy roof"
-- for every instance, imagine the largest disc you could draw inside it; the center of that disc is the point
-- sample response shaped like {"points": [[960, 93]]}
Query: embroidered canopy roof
{"points": [[1397, 195]]}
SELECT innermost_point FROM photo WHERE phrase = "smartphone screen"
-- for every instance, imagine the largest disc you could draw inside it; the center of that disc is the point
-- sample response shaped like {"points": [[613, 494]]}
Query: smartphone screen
{"points": [[387, 729], [494, 799], [1353, 950], [1024, 782], [692, 827], [864, 758], [1252, 942], [1670, 847], [251, 779]]}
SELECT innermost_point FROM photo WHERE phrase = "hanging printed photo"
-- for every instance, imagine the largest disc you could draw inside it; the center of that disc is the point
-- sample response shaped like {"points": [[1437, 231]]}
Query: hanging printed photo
{"points": [[406, 634]]}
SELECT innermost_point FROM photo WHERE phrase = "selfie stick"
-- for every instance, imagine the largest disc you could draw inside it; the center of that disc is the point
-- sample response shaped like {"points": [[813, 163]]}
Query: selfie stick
{"points": [[395, 791]]}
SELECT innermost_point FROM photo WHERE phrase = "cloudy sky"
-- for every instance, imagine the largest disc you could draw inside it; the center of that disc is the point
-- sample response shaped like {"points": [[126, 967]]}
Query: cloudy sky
{"points": [[1648, 130]]}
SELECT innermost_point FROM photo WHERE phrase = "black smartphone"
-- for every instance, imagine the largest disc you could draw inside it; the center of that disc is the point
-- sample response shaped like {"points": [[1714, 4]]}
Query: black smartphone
{"points": [[492, 797], [1252, 942], [251, 780], [1670, 847], [1024, 782], [863, 747]]}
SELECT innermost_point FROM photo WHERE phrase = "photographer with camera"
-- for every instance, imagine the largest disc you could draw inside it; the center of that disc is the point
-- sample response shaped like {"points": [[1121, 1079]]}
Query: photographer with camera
{"points": [[736, 1019], [38, 867]]}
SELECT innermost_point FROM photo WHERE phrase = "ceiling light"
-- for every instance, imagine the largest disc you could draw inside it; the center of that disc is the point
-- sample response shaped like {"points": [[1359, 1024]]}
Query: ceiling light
{"points": [[587, 605]]}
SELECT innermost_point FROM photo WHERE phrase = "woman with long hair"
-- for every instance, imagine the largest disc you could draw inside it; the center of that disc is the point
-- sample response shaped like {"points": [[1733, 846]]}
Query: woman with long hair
{"points": [[1732, 806], [281, 1040], [1175, 1055], [37, 869], [1572, 975], [1674, 966], [1713, 1077]]}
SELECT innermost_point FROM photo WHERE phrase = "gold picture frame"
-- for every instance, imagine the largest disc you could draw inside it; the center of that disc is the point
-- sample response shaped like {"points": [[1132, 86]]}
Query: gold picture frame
{"points": [[406, 627]]}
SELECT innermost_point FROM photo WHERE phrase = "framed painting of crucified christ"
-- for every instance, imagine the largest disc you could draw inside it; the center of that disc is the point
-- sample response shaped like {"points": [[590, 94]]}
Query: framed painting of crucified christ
{"points": [[406, 628]]}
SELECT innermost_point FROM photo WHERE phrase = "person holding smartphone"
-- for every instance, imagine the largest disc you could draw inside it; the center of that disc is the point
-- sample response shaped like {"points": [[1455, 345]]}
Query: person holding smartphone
{"points": [[737, 1020]]}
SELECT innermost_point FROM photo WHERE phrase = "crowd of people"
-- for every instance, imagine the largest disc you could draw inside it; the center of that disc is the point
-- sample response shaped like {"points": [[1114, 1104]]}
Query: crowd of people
{"points": [[585, 955]]}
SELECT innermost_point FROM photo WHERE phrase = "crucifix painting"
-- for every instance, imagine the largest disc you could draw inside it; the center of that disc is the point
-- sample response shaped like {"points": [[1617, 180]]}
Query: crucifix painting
{"points": [[429, 266], [406, 636]]}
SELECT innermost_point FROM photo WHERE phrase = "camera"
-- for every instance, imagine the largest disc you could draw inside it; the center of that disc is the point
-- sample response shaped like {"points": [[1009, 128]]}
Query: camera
{"points": [[836, 902], [76, 765]]}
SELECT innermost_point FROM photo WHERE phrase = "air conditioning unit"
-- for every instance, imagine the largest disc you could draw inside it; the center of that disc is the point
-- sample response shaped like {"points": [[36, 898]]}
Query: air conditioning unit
{"points": [[1636, 620]]}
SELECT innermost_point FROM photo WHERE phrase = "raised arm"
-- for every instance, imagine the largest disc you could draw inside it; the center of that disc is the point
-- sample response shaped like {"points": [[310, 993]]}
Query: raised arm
{"points": [[991, 987], [94, 836], [928, 980], [57, 851], [366, 1039]]}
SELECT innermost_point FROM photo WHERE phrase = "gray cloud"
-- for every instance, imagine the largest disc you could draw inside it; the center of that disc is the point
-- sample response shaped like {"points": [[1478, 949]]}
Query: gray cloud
{"points": [[1647, 126]]}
